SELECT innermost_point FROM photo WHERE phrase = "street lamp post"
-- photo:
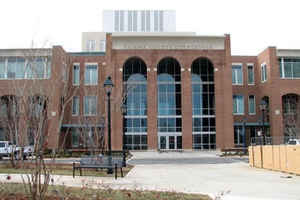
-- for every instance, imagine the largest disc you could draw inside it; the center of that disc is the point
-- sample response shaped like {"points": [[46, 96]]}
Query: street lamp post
{"points": [[108, 85], [263, 107], [123, 110]]}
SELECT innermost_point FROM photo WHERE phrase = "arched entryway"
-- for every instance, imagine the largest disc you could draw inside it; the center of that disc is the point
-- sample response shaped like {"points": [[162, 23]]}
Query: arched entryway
{"points": [[169, 119], [203, 99], [135, 93]]}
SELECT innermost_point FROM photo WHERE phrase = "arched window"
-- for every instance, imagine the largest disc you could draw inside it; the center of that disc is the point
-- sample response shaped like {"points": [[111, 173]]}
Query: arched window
{"points": [[169, 104], [135, 98], [203, 98]]}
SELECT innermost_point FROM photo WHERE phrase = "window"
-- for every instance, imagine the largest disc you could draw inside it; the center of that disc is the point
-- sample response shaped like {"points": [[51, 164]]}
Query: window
{"points": [[143, 18], [161, 21], [117, 28], [91, 45], [156, 20], [16, 68], [134, 21], [135, 120], [121, 20], [148, 21], [250, 74], [135, 142], [91, 74], [238, 104], [169, 124], [289, 68], [76, 74], [102, 45], [251, 102], [75, 106], [75, 137], [2, 68], [90, 105], [204, 141], [129, 21], [19, 68], [263, 73], [238, 136], [237, 74]]}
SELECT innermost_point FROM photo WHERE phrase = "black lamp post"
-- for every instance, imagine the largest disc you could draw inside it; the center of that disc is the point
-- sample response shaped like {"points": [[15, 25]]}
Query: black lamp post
{"points": [[123, 110], [263, 107], [108, 85]]}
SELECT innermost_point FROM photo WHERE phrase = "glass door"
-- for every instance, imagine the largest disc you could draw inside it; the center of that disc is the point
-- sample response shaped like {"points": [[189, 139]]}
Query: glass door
{"points": [[171, 142], [162, 142]]}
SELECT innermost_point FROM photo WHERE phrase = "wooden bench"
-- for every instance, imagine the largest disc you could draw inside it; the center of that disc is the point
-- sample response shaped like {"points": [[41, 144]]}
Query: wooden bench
{"points": [[100, 162], [240, 151]]}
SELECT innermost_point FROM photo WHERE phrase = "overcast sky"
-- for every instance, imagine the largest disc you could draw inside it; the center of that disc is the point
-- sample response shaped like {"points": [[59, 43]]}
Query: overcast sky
{"points": [[253, 24]]}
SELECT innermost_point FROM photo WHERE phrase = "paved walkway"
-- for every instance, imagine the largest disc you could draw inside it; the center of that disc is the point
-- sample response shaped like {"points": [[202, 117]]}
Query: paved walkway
{"points": [[207, 174]]}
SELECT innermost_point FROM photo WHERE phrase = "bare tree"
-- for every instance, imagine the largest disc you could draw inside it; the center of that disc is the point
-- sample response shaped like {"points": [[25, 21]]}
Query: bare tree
{"points": [[291, 112]]}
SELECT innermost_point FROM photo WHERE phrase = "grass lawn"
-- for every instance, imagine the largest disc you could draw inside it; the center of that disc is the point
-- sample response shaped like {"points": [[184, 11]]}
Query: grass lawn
{"points": [[17, 192], [61, 169]]}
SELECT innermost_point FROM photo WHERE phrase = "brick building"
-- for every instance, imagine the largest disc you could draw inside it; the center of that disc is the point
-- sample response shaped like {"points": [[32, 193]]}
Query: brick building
{"points": [[180, 91]]}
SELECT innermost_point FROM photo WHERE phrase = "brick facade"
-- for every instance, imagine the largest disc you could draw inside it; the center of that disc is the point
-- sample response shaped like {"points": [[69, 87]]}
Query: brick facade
{"points": [[111, 64]]}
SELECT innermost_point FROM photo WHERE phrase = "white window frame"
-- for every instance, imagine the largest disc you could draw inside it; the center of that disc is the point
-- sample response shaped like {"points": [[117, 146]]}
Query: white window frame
{"points": [[89, 64], [237, 104], [91, 45], [78, 111], [241, 65], [89, 114], [102, 43], [249, 105], [263, 73], [75, 84], [252, 65], [282, 65]]}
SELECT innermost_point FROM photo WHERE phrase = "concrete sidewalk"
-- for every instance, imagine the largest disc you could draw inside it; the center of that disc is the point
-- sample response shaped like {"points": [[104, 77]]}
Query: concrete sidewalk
{"points": [[242, 182]]}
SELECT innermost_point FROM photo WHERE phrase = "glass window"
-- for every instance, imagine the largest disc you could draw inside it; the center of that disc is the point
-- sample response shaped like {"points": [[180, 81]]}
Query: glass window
{"points": [[90, 105], [134, 21], [263, 72], [76, 74], [237, 75], [2, 68], [129, 21], [289, 68], [11, 68], [238, 136], [252, 104], [91, 75], [143, 19], [116, 17], [91, 45], [75, 107], [156, 20], [250, 74], [102, 45], [75, 137], [238, 104], [169, 87], [148, 21], [161, 21], [121, 20]]}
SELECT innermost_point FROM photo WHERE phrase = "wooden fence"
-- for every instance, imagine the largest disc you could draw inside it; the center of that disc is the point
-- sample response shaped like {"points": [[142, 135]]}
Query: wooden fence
{"points": [[284, 158]]}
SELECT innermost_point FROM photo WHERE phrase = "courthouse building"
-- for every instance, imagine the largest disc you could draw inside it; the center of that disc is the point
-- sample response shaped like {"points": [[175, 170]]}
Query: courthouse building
{"points": [[181, 91]]}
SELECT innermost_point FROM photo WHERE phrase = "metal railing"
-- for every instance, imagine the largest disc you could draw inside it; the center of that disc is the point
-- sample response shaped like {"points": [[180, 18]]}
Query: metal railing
{"points": [[276, 140]]}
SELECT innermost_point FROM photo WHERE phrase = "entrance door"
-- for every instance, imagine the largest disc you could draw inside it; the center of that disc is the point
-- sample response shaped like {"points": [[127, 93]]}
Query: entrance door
{"points": [[170, 142]]}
